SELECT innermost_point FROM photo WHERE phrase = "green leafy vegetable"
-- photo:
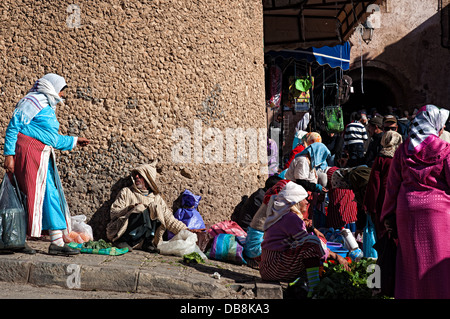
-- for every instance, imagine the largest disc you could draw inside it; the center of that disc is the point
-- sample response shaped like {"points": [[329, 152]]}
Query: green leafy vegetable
{"points": [[193, 258], [337, 283], [100, 244]]}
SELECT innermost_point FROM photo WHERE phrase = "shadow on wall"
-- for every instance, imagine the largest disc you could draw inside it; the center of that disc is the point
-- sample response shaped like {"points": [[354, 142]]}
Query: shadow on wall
{"points": [[410, 72], [100, 218]]}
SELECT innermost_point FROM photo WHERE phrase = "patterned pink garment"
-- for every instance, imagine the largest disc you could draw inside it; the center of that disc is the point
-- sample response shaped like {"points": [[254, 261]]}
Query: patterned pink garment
{"points": [[418, 192]]}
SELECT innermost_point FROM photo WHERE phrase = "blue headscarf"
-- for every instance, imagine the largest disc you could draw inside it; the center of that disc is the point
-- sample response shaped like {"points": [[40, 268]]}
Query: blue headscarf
{"points": [[318, 153]]}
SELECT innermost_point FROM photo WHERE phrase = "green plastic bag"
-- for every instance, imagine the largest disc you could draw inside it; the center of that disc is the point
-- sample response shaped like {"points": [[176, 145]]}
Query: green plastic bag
{"points": [[13, 219], [334, 119], [98, 248]]}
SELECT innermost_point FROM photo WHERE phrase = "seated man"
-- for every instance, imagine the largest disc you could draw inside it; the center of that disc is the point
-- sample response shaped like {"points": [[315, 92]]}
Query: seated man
{"points": [[139, 215]]}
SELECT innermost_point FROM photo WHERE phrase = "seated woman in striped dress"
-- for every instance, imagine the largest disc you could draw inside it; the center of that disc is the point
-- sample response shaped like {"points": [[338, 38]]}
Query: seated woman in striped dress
{"points": [[291, 246]]}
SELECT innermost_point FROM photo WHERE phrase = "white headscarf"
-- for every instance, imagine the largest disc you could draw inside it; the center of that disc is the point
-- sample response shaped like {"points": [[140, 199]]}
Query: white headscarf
{"points": [[44, 92], [280, 204], [50, 85], [428, 122]]}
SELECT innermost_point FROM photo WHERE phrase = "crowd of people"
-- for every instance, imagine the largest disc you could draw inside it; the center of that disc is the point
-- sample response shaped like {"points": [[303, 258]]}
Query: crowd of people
{"points": [[391, 169]]}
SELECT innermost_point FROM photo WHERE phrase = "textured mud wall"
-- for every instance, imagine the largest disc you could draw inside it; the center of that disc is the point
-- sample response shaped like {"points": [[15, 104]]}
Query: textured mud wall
{"points": [[407, 45], [143, 76]]}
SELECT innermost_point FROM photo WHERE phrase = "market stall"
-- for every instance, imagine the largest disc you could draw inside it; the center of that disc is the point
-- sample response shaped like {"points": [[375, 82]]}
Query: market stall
{"points": [[309, 81]]}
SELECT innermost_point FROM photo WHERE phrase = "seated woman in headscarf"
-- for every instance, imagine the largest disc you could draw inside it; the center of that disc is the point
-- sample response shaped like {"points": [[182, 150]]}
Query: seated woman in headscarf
{"points": [[290, 248], [306, 166], [304, 142], [255, 231], [308, 170], [139, 215]]}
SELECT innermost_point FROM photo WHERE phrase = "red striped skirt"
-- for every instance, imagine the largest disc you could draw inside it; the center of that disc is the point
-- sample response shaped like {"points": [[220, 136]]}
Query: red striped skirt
{"points": [[287, 265], [342, 208], [30, 167]]}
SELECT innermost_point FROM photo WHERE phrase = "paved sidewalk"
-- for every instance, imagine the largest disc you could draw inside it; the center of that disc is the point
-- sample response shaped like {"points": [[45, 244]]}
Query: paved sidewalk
{"points": [[136, 272]]}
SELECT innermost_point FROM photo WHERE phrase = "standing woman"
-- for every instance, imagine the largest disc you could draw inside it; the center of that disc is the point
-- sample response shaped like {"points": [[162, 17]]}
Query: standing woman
{"points": [[31, 137], [376, 186], [342, 208], [417, 208]]}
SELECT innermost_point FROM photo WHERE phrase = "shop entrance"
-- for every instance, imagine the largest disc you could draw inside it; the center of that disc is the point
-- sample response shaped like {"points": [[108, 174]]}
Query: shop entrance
{"points": [[369, 95], [378, 89]]}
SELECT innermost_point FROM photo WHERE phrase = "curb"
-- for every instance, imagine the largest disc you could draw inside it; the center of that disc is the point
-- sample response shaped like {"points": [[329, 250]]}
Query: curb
{"points": [[166, 279]]}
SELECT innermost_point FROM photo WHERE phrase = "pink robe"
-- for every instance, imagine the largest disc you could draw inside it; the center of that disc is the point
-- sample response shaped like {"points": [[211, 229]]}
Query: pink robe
{"points": [[418, 192]]}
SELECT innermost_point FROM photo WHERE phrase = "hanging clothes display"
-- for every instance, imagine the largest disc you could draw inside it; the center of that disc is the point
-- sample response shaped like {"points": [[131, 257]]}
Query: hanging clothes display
{"points": [[299, 92], [276, 77]]}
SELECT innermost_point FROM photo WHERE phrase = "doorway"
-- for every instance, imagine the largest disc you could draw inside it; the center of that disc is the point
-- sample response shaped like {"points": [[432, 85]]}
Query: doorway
{"points": [[378, 90]]}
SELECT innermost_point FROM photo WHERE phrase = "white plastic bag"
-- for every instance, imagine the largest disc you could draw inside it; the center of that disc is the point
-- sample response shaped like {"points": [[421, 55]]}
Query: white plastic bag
{"points": [[183, 243], [79, 226]]}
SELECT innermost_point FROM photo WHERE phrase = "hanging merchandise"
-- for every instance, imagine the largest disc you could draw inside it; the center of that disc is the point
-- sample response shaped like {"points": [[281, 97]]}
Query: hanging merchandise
{"points": [[345, 88], [299, 92], [276, 76], [332, 111], [334, 119]]}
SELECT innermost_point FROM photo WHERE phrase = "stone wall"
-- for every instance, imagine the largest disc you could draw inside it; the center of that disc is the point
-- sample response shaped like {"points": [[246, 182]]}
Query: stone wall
{"points": [[406, 49], [138, 72]]}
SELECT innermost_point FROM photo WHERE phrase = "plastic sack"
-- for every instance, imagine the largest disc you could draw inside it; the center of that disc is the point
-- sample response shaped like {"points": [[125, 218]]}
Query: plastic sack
{"points": [[81, 232], [334, 119], [111, 251], [226, 248], [369, 239], [188, 213], [183, 243], [13, 219], [227, 227], [253, 242]]}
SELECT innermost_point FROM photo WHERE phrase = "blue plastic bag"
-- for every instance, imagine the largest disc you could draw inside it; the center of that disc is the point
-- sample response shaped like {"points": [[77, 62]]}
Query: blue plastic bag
{"points": [[252, 247], [188, 212], [369, 239]]}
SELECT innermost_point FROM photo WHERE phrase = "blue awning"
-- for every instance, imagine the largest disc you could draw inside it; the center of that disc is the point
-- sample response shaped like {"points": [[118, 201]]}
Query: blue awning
{"points": [[336, 57]]}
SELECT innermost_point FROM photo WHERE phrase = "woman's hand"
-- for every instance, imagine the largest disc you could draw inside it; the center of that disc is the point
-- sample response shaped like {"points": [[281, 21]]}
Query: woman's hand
{"points": [[342, 261], [9, 163], [318, 233], [82, 141]]}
